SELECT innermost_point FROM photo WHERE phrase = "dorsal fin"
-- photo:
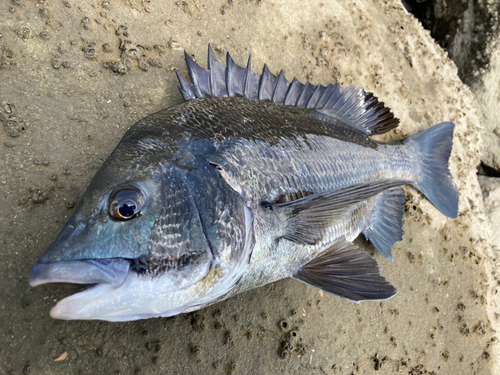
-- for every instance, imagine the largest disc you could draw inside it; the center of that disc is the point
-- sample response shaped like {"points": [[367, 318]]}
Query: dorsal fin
{"points": [[350, 105]]}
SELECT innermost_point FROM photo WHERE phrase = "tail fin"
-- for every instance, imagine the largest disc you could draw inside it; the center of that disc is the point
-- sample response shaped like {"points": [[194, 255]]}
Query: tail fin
{"points": [[433, 149]]}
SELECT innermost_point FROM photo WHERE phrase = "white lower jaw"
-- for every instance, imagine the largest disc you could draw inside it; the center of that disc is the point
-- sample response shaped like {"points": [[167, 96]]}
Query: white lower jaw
{"points": [[139, 297], [106, 302], [73, 307]]}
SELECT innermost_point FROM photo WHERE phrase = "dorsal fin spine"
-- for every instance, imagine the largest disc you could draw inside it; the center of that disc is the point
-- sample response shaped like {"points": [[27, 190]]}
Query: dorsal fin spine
{"points": [[332, 100], [211, 71], [330, 89], [267, 84], [294, 92], [217, 74], [185, 88], [280, 89], [305, 95], [229, 75], [314, 99], [192, 75], [353, 106], [247, 78]]}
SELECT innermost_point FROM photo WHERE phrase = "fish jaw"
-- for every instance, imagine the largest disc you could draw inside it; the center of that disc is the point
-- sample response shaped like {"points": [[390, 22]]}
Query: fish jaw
{"points": [[139, 297], [119, 293], [104, 275]]}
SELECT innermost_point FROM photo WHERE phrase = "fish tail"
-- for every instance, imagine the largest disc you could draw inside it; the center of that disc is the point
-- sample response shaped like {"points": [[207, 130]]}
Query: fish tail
{"points": [[433, 178]]}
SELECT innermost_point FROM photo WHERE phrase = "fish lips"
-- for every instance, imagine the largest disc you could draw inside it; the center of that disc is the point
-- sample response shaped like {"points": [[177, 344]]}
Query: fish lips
{"points": [[103, 275], [81, 272]]}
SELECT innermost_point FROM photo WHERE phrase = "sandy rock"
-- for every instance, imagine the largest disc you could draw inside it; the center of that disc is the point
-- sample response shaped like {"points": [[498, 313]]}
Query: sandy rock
{"points": [[490, 187], [76, 75], [469, 32], [487, 101]]}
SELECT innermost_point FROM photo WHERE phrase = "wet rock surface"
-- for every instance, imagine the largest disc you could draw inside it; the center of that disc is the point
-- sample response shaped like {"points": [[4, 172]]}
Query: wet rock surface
{"points": [[470, 32], [491, 198], [75, 76], [465, 29]]}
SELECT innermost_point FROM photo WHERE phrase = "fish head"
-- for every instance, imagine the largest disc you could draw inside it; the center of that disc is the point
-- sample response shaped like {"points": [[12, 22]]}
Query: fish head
{"points": [[150, 239]]}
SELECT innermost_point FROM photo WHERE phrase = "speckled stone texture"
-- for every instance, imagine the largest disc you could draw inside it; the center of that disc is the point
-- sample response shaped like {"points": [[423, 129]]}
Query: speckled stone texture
{"points": [[75, 75]]}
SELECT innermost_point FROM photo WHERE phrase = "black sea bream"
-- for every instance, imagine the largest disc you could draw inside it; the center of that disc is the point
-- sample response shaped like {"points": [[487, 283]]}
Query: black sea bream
{"points": [[252, 179]]}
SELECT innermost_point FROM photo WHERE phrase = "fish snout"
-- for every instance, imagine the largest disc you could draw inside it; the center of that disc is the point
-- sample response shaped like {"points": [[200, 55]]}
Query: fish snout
{"points": [[102, 271]]}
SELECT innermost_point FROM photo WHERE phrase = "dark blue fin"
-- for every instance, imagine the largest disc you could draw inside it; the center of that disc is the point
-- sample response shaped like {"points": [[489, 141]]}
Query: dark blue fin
{"points": [[432, 149], [386, 227], [310, 216], [316, 96], [306, 95], [235, 78], [359, 109], [281, 89], [350, 105], [252, 82], [217, 75], [293, 93], [200, 78], [268, 83], [348, 272], [185, 88]]}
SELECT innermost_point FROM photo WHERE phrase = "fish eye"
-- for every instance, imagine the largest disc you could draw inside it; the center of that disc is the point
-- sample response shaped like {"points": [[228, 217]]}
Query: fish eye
{"points": [[126, 203]]}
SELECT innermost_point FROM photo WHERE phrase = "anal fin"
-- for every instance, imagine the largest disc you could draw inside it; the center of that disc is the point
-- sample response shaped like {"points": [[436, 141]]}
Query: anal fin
{"points": [[348, 272], [387, 224]]}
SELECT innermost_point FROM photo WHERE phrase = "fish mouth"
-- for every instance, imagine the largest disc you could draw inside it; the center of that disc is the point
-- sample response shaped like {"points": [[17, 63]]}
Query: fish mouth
{"points": [[93, 276]]}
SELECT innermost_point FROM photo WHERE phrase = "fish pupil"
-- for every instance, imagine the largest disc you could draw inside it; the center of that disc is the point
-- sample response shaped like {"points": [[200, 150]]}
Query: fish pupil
{"points": [[126, 204], [127, 209]]}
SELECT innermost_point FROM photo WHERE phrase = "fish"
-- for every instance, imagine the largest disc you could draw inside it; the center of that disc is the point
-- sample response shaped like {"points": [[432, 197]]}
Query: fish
{"points": [[251, 179]]}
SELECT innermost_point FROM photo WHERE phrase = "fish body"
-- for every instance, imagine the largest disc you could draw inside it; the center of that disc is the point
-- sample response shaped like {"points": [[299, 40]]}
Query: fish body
{"points": [[252, 179]]}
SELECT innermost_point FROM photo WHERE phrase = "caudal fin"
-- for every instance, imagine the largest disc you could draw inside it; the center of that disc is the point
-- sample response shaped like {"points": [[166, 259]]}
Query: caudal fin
{"points": [[433, 149]]}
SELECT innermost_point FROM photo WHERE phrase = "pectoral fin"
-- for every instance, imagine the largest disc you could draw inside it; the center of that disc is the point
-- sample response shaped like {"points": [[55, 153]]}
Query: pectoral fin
{"points": [[347, 272], [310, 216]]}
